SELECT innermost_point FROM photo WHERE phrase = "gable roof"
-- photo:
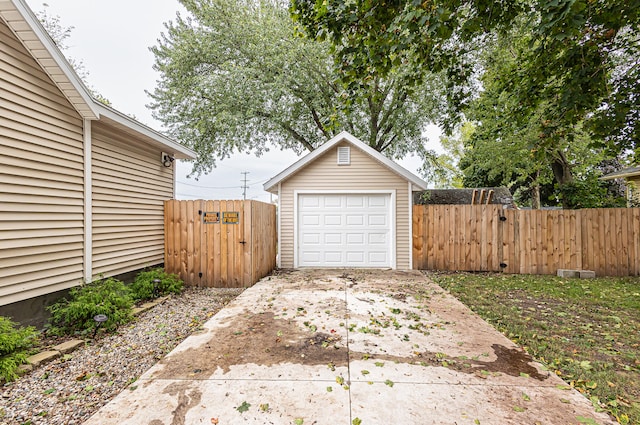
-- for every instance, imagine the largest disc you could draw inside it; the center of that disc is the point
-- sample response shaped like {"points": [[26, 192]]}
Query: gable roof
{"points": [[28, 29], [625, 172], [344, 136]]}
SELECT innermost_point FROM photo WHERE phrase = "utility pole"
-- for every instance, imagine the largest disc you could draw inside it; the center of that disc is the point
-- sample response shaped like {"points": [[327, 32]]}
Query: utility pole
{"points": [[244, 185]]}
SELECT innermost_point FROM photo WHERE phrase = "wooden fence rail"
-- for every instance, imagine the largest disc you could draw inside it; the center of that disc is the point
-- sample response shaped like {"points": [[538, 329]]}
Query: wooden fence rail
{"points": [[490, 238], [220, 243]]}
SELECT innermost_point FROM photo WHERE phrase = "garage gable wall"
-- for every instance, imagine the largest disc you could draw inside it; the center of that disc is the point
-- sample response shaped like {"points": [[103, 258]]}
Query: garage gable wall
{"points": [[363, 174]]}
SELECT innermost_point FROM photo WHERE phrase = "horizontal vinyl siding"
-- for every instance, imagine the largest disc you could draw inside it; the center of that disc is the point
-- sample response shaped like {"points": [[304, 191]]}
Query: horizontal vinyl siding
{"points": [[633, 191], [41, 180], [130, 186], [364, 173]]}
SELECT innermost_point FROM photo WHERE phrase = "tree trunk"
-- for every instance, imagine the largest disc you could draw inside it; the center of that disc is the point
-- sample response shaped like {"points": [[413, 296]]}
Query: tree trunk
{"points": [[535, 197], [562, 174]]}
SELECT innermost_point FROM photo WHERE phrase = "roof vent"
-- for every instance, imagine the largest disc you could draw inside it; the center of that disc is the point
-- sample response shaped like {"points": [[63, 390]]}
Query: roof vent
{"points": [[344, 155]]}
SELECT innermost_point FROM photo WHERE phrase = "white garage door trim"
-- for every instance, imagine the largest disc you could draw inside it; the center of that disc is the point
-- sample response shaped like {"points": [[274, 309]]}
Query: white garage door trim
{"points": [[392, 218]]}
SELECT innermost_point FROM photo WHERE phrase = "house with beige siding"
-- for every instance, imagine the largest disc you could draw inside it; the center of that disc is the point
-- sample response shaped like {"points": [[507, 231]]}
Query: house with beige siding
{"points": [[81, 185], [345, 205], [631, 176]]}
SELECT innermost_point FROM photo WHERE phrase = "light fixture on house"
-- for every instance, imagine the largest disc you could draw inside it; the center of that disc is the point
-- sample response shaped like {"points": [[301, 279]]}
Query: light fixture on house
{"points": [[167, 159]]}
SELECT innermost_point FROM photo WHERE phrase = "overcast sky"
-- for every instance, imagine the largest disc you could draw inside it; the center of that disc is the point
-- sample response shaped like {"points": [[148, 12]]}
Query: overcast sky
{"points": [[112, 40]]}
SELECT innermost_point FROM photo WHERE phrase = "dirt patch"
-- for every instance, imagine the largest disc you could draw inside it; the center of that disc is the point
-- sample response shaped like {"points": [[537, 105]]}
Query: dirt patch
{"points": [[187, 397], [510, 361], [260, 339], [266, 340]]}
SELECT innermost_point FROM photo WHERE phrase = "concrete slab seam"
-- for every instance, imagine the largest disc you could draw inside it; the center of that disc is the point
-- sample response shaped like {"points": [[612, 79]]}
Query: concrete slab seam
{"points": [[347, 324]]}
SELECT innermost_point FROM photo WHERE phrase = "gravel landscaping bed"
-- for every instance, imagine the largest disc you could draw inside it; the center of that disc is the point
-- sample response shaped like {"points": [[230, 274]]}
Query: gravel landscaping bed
{"points": [[70, 389]]}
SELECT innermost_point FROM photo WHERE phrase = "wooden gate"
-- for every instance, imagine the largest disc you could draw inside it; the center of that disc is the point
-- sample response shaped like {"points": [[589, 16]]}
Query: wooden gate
{"points": [[222, 244]]}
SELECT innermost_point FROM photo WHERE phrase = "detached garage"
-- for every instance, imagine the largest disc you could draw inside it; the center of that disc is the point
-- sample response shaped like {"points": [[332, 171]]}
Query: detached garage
{"points": [[345, 205]]}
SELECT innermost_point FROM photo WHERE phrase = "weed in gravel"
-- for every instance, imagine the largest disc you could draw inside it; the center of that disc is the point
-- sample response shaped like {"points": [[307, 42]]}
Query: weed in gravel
{"points": [[585, 330]]}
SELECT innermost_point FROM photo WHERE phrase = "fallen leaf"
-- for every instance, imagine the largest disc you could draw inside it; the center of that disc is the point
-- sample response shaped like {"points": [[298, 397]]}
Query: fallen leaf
{"points": [[356, 421], [389, 383], [586, 365], [586, 421], [243, 407], [298, 421], [214, 421]]}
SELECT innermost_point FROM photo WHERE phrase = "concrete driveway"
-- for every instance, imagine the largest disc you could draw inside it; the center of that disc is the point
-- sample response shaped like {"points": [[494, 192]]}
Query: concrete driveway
{"points": [[347, 347]]}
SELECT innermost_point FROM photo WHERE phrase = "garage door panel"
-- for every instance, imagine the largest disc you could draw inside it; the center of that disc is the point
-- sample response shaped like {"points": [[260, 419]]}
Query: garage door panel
{"points": [[333, 257], [355, 201], [377, 220], [333, 202], [333, 220], [310, 202], [377, 202], [378, 257], [356, 258], [344, 230], [378, 239], [333, 238], [311, 220], [311, 238], [311, 257], [355, 220]]}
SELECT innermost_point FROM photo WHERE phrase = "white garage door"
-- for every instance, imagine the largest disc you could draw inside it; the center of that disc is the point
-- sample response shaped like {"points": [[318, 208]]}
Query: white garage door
{"points": [[344, 230]]}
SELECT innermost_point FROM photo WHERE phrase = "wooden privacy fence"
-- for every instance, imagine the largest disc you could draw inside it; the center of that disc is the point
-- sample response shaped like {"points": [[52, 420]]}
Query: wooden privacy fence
{"points": [[220, 243], [490, 238]]}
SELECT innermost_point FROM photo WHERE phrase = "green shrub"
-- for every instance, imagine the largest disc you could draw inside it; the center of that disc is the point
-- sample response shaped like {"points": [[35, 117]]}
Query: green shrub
{"points": [[142, 287], [15, 343], [110, 297]]}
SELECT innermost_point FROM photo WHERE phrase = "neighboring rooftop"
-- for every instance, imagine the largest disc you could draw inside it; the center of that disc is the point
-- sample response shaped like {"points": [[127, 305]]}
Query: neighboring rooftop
{"points": [[499, 196], [625, 172]]}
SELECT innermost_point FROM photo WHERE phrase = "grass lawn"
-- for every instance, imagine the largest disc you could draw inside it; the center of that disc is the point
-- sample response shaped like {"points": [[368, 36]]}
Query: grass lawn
{"points": [[585, 330]]}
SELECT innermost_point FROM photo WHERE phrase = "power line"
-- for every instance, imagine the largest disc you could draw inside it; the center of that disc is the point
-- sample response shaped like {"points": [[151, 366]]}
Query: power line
{"points": [[215, 187]]}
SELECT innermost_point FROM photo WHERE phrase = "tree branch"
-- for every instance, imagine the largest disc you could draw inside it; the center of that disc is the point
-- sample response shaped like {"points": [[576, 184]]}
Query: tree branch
{"points": [[297, 136]]}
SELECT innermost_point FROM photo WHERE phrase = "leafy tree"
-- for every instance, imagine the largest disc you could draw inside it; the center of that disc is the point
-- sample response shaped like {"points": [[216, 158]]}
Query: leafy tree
{"points": [[60, 34], [448, 174], [234, 77], [582, 62], [516, 150]]}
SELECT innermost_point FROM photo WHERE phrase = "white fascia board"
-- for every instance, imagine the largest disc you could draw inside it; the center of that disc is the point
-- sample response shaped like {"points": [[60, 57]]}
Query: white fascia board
{"points": [[346, 136], [89, 107], [163, 142], [61, 62]]}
